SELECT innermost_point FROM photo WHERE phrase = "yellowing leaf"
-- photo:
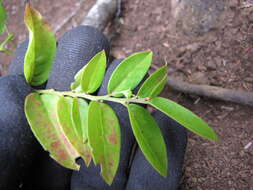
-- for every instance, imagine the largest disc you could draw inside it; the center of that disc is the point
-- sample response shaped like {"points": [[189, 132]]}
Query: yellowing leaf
{"points": [[149, 137], [41, 49], [104, 138], [184, 116], [154, 84], [129, 73], [41, 113]]}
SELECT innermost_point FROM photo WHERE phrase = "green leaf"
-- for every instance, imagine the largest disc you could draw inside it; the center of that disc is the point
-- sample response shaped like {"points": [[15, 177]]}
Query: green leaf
{"points": [[104, 138], [41, 49], [154, 84], [129, 73], [79, 116], [3, 17], [72, 126], [93, 74], [41, 113], [149, 137], [76, 85], [184, 116]]}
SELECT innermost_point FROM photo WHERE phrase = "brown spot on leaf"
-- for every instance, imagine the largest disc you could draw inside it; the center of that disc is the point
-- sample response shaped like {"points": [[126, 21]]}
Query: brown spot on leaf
{"points": [[62, 154], [55, 144], [112, 138]]}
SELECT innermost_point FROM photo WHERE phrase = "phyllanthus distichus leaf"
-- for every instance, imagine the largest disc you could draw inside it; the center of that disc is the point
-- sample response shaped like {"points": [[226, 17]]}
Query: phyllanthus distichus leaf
{"points": [[93, 74], [104, 138], [68, 127], [41, 113], [129, 73], [154, 84], [41, 49], [79, 115], [184, 116], [76, 85], [72, 126], [3, 17], [149, 137], [90, 77]]}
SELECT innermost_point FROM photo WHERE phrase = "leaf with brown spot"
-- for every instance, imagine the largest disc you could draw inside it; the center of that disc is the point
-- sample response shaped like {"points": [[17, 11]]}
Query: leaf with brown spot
{"points": [[104, 138], [41, 113]]}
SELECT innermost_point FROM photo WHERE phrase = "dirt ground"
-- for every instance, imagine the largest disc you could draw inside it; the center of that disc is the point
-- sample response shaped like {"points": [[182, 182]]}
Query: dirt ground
{"points": [[220, 58]]}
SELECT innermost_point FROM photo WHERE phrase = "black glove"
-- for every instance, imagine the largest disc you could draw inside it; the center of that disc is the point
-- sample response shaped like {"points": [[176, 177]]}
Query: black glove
{"points": [[75, 49]]}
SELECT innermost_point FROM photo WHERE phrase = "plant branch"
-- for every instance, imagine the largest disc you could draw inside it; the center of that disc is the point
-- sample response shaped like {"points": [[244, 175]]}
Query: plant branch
{"points": [[123, 101], [236, 96]]}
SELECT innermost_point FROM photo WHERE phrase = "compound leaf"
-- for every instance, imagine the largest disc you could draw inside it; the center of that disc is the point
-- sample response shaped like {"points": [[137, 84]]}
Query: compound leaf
{"points": [[71, 127], [149, 137], [79, 116], [129, 73], [3, 17], [154, 84], [93, 74], [41, 49], [41, 113], [184, 116], [104, 138]]}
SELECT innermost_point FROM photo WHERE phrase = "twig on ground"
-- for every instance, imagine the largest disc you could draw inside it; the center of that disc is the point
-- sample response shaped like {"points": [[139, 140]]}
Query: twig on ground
{"points": [[101, 14], [247, 5], [236, 96]]}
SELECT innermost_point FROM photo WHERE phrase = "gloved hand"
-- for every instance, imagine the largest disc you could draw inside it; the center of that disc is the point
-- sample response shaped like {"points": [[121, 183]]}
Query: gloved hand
{"points": [[22, 159]]}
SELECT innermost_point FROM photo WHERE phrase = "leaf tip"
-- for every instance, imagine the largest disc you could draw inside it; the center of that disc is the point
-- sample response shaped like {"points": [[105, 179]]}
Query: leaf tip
{"points": [[164, 173], [215, 137]]}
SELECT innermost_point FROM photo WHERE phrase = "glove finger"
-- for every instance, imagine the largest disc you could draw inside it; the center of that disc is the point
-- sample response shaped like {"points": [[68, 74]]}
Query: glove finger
{"points": [[17, 64], [89, 178], [75, 49], [18, 146], [143, 175]]}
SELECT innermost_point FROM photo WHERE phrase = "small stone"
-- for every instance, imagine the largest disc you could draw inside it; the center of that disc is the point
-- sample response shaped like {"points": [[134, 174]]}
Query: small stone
{"points": [[166, 44]]}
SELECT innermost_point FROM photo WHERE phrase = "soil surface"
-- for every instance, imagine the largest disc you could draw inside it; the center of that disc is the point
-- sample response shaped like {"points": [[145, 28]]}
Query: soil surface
{"points": [[221, 57]]}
